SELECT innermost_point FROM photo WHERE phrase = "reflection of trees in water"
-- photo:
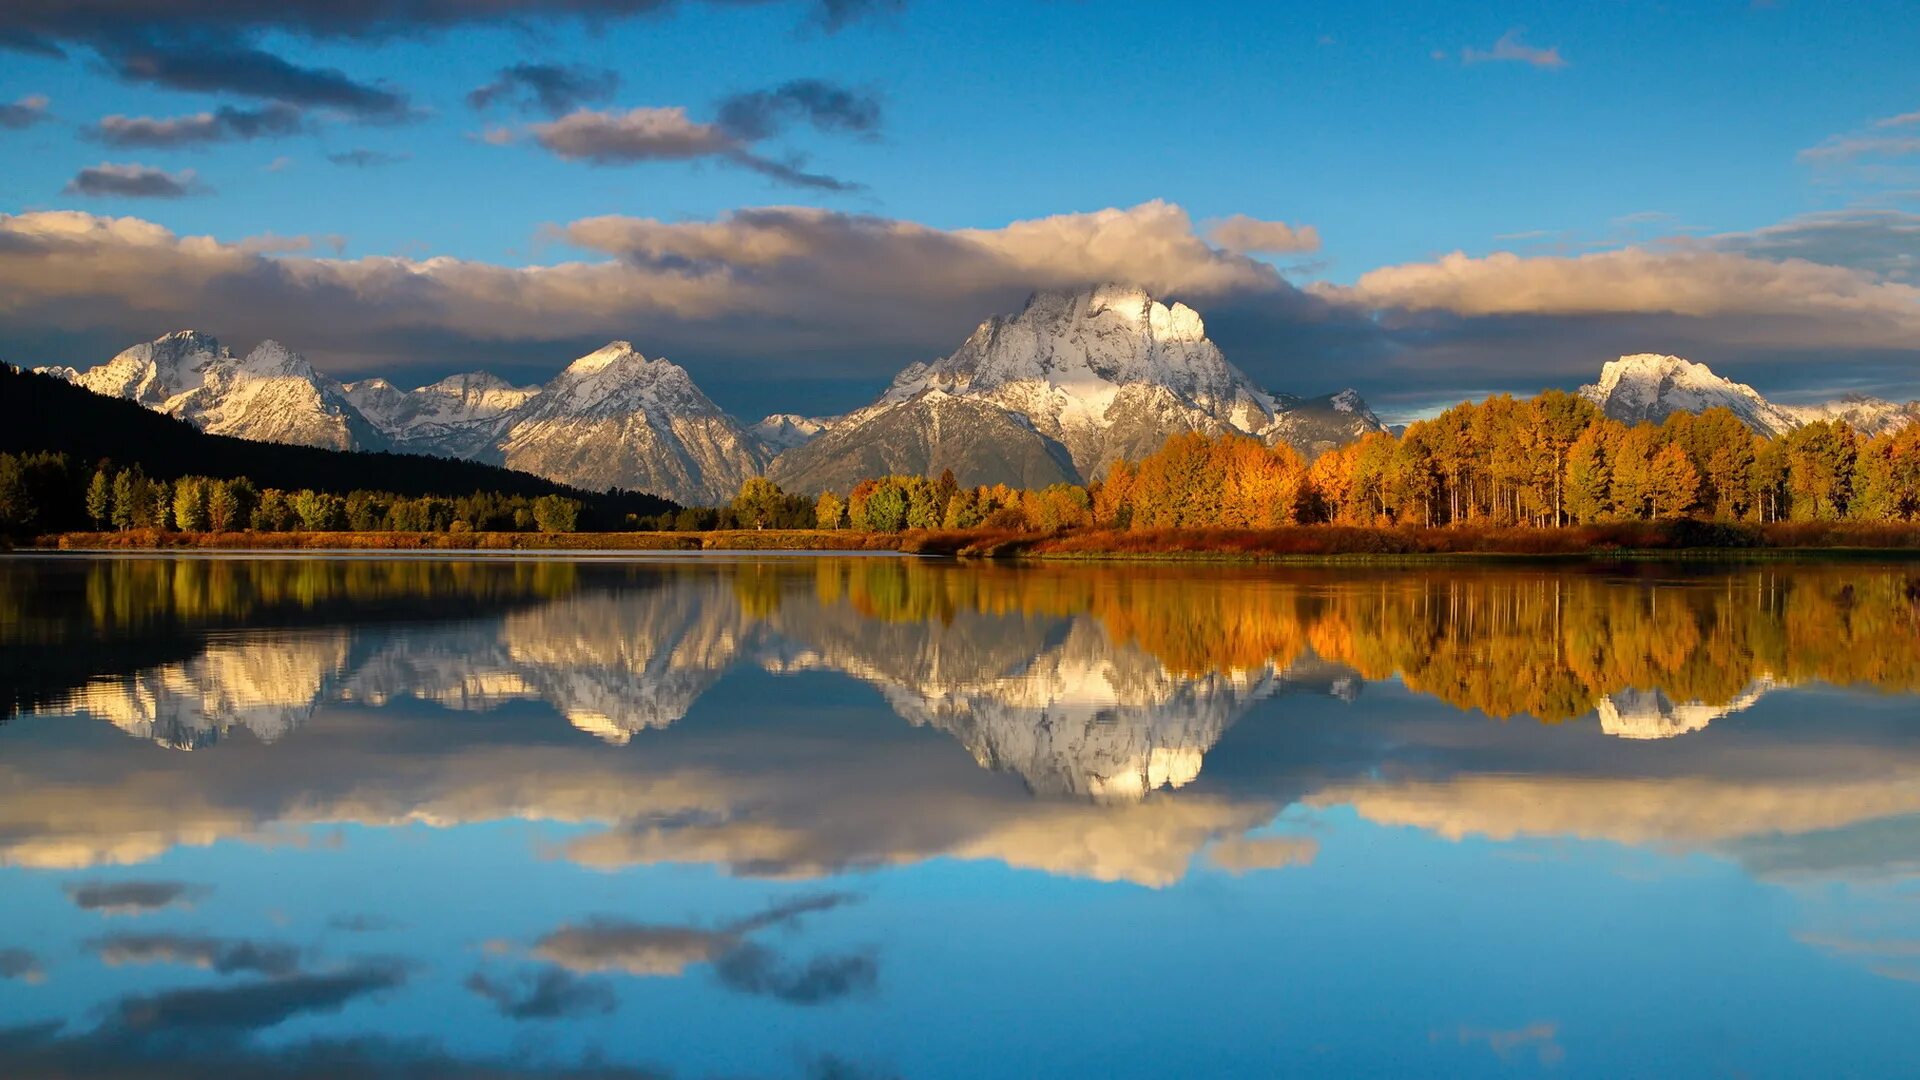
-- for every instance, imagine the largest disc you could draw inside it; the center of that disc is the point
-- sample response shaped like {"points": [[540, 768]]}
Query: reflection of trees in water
{"points": [[1511, 642], [1538, 641]]}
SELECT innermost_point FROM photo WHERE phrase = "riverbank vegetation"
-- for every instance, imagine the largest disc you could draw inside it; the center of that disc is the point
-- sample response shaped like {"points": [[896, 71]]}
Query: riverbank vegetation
{"points": [[1545, 476]]}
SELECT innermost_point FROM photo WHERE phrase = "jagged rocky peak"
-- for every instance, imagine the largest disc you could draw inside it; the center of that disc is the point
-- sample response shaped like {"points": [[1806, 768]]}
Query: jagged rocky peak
{"points": [[784, 431], [1651, 386], [154, 371], [1093, 375], [614, 418], [1087, 344]]}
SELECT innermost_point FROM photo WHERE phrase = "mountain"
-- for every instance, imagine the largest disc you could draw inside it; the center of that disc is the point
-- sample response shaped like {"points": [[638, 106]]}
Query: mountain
{"points": [[1054, 393], [39, 412], [1314, 426], [1098, 375], [1867, 415], [459, 416], [614, 418], [1650, 387], [981, 442], [270, 395], [784, 431]]}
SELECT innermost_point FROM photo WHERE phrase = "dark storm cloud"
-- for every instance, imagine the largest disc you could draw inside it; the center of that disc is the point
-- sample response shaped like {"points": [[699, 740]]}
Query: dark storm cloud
{"points": [[222, 64], [41, 25], [251, 1006], [132, 897], [223, 124], [126, 180], [366, 159], [1886, 242], [754, 969], [213, 45], [549, 88], [220, 955], [23, 113], [762, 114], [550, 993]]}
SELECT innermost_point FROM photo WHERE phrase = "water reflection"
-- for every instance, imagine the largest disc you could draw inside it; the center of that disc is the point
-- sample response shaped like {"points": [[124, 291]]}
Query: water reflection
{"points": [[820, 732]]}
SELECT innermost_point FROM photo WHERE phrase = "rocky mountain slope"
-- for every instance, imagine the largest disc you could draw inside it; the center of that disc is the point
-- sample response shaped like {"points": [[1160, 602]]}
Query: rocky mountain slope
{"points": [[1097, 374], [270, 395], [459, 416], [614, 418], [1650, 387]]}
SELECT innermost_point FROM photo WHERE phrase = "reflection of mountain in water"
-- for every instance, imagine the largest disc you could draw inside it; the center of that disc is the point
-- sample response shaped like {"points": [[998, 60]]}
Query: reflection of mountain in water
{"points": [[1091, 683], [1651, 714], [1053, 699], [268, 687]]}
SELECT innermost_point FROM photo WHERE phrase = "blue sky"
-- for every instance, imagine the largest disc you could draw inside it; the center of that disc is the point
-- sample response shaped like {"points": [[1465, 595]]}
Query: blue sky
{"points": [[1399, 132]]}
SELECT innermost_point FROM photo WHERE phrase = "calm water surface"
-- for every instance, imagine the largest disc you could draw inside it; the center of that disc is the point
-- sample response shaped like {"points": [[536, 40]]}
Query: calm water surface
{"points": [[879, 817]]}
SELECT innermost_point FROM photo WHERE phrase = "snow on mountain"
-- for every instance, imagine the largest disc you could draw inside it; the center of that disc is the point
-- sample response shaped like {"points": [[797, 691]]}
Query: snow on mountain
{"points": [[1866, 415], [1102, 373], [1314, 426], [272, 394], [784, 431], [1652, 714], [615, 418], [1649, 387], [460, 416]]}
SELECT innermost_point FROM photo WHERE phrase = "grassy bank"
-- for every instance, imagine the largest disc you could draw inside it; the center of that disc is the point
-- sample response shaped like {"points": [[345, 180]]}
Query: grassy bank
{"points": [[1299, 543]]}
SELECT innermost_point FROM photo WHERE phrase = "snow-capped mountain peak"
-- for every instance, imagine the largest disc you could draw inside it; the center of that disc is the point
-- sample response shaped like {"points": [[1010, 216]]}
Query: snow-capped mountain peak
{"points": [[616, 418], [1650, 386]]}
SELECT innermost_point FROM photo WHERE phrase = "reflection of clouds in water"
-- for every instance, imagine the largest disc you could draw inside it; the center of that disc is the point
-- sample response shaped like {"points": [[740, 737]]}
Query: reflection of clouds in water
{"points": [[546, 993], [43, 1052], [132, 897], [254, 1005], [223, 956], [604, 944], [1542, 1038], [1243, 854], [22, 965]]}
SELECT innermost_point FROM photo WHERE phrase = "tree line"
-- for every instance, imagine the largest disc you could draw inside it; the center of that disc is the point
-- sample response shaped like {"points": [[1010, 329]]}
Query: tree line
{"points": [[47, 492], [1548, 461]]}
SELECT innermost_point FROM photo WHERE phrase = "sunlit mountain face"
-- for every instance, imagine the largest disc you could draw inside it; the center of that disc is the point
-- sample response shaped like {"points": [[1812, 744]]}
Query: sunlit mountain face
{"points": [[879, 816]]}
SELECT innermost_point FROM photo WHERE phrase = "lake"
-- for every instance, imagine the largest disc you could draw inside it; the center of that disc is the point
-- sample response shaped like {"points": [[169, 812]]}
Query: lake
{"points": [[851, 817]]}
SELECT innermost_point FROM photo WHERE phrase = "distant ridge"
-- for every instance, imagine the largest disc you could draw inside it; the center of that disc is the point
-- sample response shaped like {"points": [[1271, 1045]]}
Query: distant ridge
{"points": [[44, 413], [1055, 392], [1651, 387]]}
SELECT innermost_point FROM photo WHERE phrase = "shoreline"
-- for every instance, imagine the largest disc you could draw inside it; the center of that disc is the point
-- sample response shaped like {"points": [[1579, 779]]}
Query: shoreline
{"points": [[1299, 545]]}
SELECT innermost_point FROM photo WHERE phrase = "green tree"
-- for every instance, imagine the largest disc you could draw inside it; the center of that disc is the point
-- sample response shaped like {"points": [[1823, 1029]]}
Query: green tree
{"points": [[759, 503], [556, 513], [17, 511], [190, 504], [100, 498]]}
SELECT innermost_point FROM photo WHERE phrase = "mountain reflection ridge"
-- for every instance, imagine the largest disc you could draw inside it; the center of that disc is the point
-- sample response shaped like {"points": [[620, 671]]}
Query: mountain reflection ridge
{"points": [[1101, 683], [1103, 690]]}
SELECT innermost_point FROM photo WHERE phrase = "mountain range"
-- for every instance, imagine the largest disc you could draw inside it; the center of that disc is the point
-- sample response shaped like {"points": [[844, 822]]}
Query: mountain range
{"points": [[1650, 387], [1053, 393]]}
